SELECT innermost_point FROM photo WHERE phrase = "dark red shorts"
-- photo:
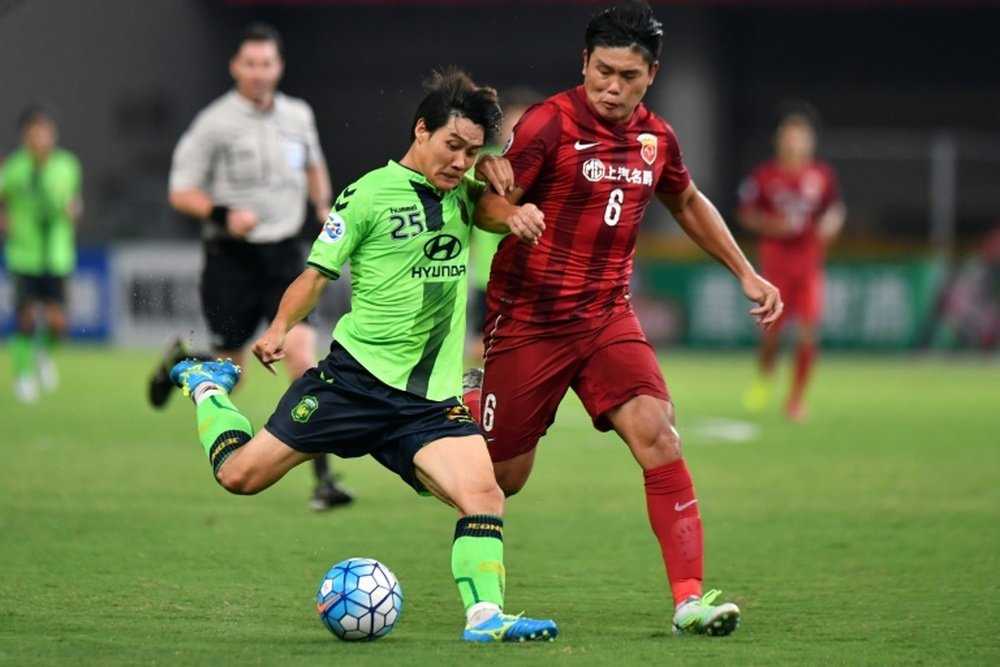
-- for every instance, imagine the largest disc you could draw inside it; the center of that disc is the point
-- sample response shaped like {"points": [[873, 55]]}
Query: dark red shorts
{"points": [[801, 292], [529, 367]]}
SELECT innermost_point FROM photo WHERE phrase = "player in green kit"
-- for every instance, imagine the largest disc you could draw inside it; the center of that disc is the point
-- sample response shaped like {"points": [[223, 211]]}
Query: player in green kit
{"points": [[40, 188], [389, 387]]}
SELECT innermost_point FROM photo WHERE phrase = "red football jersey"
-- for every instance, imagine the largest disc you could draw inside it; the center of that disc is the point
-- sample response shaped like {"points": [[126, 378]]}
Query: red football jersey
{"points": [[801, 197], [593, 181]]}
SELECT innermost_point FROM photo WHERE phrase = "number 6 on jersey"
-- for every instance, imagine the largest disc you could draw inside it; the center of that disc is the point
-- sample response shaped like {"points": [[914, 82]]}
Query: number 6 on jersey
{"points": [[613, 211]]}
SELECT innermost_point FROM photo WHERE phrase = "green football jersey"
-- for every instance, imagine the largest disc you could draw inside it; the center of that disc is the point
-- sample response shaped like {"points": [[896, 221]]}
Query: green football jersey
{"points": [[41, 237], [484, 247], [408, 244]]}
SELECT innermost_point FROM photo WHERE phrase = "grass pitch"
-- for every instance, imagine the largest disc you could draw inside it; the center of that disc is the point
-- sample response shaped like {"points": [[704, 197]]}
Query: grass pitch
{"points": [[868, 536]]}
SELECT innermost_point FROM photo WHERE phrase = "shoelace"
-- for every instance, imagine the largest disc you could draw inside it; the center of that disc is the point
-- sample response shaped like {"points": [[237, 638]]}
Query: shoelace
{"points": [[509, 617], [709, 597]]}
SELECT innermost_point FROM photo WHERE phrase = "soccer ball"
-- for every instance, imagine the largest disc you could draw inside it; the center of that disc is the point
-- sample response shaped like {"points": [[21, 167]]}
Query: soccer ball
{"points": [[359, 599]]}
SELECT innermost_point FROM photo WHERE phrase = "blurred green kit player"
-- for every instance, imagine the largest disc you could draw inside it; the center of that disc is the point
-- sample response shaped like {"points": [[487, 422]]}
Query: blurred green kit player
{"points": [[40, 188], [389, 387]]}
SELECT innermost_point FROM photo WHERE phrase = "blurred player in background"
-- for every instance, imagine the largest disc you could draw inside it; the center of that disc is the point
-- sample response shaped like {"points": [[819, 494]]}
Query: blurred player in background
{"points": [[484, 244], [40, 186], [390, 385], [592, 158], [246, 167], [967, 309], [793, 203]]}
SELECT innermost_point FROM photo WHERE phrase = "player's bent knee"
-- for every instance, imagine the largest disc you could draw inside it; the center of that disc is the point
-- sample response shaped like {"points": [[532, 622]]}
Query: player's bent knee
{"points": [[669, 445], [661, 436], [512, 474], [58, 323], [482, 499], [657, 446], [300, 360], [239, 481], [666, 443], [510, 482]]}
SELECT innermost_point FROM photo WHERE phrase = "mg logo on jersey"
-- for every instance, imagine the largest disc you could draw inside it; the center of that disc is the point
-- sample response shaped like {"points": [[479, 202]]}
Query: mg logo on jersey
{"points": [[647, 148], [593, 170], [442, 248]]}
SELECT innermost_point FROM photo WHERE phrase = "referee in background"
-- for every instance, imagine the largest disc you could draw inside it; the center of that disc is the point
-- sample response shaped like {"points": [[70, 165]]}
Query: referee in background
{"points": [[247, 167]]}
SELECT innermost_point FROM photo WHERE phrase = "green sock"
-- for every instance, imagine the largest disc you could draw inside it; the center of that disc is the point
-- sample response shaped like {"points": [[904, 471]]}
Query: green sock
{"points": [[477, 559], [221, 428], [22, 355]]}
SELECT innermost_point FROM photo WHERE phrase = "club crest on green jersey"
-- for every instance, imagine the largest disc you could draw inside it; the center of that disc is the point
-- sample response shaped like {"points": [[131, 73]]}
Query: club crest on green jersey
{"points": [[304, 410]]}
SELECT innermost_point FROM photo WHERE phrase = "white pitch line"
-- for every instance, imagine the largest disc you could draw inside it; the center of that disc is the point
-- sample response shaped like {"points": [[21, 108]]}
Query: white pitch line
{"points": [[725, 430]]}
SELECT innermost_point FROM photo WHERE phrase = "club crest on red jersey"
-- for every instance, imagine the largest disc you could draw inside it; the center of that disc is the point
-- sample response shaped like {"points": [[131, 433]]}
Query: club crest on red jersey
{"points": [[647, 147], [506, 146]]}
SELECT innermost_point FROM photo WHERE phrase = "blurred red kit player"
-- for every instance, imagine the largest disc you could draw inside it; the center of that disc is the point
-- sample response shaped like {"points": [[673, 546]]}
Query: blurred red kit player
{"points": [[793, 203], [559, 313]]}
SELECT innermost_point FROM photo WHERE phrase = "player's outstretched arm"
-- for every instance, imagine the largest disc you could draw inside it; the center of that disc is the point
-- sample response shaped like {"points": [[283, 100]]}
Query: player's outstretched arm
{"points": [[499, 215], [298, 300], [700, 220]]}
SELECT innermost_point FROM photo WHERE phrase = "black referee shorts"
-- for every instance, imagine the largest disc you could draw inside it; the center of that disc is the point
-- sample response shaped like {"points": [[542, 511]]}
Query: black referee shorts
{"points": [[242, 285], [340, 408]]}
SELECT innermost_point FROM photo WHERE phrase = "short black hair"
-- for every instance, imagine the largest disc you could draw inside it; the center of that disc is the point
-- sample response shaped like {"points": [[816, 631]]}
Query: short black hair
{"points": [[631, 25], [260, 32], [452, 92], [34, 113], [793, 110]]}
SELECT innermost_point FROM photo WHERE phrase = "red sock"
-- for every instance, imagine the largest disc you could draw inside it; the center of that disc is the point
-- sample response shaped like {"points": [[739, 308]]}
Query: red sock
{"points": [[472, 399], [805, 356], [673, 514]]}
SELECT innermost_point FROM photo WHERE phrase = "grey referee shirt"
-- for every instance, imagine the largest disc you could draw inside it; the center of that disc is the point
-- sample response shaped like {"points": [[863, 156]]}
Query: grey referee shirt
{"points": [[246, 158]]}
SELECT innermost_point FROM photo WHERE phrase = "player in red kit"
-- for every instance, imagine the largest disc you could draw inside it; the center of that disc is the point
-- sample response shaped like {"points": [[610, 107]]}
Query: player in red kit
{"points": [[591, 159], [793, 203]]}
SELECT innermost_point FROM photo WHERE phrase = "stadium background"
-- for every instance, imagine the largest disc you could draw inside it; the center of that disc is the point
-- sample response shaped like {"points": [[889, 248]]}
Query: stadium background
{"points": [[865, 536], [906, 91]]}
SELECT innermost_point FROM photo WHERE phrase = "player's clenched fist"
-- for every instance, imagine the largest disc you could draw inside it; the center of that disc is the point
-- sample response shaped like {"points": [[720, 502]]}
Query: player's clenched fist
{"points": [[239, 222], [527, 223], [270, 347], [496, 171]]}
